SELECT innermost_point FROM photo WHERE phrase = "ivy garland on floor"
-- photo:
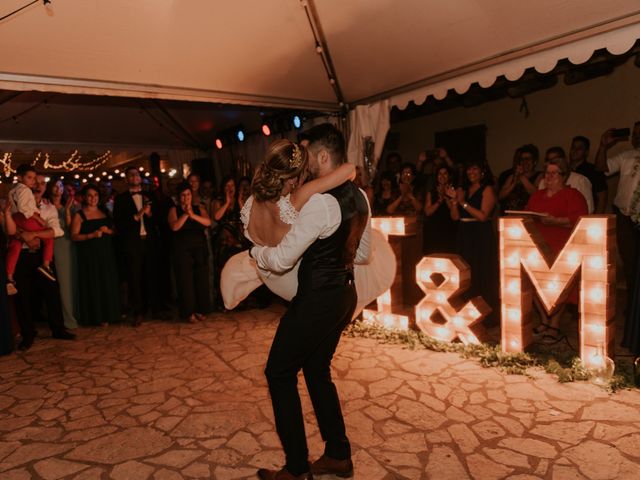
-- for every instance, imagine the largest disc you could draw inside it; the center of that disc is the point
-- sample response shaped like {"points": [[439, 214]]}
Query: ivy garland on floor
{"points": [[557, 360]]}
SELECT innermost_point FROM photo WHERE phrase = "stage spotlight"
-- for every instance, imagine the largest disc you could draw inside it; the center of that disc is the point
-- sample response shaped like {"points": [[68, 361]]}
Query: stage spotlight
{"points": [[266, 130], [219, 143], [297, 121], [240, 135]]}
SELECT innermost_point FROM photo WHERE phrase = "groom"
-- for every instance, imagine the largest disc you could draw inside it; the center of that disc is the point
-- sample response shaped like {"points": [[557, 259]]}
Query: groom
{"points": [[331, 234]]}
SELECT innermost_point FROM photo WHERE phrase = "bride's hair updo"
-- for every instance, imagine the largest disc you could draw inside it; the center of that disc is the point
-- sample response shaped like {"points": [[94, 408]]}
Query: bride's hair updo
{"points": [[284, 160]]}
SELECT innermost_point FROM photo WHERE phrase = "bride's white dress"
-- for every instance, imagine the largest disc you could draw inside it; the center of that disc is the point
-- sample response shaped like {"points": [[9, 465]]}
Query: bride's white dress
{"points": [[240, 275]]}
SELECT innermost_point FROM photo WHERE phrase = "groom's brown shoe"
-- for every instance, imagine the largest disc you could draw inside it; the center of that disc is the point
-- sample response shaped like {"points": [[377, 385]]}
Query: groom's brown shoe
{"points": [[330, 466], [283, 474]]}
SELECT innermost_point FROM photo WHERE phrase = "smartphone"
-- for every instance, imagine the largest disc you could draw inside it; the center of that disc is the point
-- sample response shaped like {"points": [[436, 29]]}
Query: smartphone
{"points": [[621, 132]]}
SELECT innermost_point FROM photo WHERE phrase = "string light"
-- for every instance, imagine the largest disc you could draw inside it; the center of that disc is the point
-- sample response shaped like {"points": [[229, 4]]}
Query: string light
{"points": [[7, 169]]}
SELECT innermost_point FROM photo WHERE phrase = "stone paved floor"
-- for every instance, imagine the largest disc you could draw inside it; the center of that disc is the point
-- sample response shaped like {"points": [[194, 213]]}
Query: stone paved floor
{"points": [[176, 401]]}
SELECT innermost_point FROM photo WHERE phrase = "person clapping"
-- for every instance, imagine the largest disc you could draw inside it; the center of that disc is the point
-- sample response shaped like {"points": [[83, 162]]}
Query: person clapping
{"points": [[190, 256]]}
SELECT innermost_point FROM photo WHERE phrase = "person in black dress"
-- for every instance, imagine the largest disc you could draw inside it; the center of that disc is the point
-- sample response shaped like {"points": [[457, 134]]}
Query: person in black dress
{"points": [[473, 206], [386, 195], [516, 185], [440, 230], [190, 256], [410, 201], [227, 238], [92, 230]]}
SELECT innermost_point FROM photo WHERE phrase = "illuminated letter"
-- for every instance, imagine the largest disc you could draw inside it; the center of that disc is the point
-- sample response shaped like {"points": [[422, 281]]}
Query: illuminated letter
{"points": [[399, 226], [587, 252], [463, 322]]}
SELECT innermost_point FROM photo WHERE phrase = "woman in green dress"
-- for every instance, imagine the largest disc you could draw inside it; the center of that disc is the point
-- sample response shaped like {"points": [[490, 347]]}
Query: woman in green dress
{"points": [[92, 230], [64, 253]]}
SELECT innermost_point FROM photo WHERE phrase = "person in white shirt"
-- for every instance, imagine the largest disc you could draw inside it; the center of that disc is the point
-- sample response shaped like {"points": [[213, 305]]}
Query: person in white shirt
{"points": [[575, 180], [626, 203], [332, 233], [33, 288], [27, 218]]}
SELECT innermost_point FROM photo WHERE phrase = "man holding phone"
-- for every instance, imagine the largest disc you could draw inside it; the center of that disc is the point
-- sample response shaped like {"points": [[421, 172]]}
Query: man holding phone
{"points": [[626, 203]]}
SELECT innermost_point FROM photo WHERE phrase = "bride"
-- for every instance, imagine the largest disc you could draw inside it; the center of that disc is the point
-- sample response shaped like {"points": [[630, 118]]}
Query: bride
{"points": [[279, 191]]}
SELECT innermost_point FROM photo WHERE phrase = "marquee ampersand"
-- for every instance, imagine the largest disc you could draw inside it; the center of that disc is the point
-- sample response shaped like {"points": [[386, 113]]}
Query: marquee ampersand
{"points": [[460, 319]]}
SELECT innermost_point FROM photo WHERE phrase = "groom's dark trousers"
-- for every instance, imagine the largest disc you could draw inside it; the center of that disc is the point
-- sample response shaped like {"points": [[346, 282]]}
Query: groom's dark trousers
{"points": [[309, 333], [306, 339]]}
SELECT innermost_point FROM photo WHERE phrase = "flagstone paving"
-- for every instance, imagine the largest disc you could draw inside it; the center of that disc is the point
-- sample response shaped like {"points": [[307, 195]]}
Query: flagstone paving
{"points": [[170, 401]]}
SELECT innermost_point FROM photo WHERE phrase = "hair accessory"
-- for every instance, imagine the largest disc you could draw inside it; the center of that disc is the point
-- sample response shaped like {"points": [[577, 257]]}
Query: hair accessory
{"points": [[296, 157]]}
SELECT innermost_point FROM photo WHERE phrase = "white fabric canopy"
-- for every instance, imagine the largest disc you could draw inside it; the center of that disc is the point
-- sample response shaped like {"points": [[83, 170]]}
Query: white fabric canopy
{"points": [[368, 121], [253, 52]]}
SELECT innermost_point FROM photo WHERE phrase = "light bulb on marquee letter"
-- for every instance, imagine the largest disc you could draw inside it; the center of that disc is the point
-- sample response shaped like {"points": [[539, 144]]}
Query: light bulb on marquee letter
{"points": [[463, 323], [588, 252], [399, 226]]}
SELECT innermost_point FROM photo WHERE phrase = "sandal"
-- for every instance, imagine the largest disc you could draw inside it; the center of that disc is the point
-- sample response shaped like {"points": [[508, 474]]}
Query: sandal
{"points": [[193, 319]]}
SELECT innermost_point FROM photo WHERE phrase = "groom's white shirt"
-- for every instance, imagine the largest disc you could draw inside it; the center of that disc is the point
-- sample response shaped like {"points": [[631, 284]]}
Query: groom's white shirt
{"points": [[320, 217]]}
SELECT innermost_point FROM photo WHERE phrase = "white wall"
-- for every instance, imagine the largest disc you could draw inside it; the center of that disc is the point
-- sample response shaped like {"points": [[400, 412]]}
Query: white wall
{"points": [[556, 115]]}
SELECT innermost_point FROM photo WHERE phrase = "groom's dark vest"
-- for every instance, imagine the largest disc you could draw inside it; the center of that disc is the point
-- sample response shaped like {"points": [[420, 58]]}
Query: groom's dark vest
{"points": [[328, 262]]}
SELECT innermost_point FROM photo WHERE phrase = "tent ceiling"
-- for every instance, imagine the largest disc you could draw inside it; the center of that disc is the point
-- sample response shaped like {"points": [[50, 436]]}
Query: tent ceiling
{"points": [[47, 118], [263, 53]]}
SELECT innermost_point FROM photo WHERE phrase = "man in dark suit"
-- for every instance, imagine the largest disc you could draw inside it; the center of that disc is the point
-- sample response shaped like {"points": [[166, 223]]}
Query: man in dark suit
{"points": [[35, 290], [135, 232], [331, 233]]}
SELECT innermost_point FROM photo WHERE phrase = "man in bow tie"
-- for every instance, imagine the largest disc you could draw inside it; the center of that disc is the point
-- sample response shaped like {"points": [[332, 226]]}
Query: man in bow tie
{"points": [[135, 229]]}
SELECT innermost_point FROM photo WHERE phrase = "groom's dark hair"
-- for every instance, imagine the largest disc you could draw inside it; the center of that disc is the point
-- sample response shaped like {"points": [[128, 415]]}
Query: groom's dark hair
{"points": [[329, 137]]}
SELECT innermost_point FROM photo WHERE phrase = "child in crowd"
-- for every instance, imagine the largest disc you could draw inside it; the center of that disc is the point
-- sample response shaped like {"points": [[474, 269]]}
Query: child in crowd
{"points": [[26, 215]]}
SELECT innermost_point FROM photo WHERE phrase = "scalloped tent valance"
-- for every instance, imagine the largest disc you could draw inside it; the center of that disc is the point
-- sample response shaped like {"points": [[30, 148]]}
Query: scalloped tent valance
{"points": [[542, 58]]}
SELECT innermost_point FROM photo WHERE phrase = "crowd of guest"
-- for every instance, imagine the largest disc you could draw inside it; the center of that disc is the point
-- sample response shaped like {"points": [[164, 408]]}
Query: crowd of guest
{"points": [[90, 256], [458, 203], [97, 257]]}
